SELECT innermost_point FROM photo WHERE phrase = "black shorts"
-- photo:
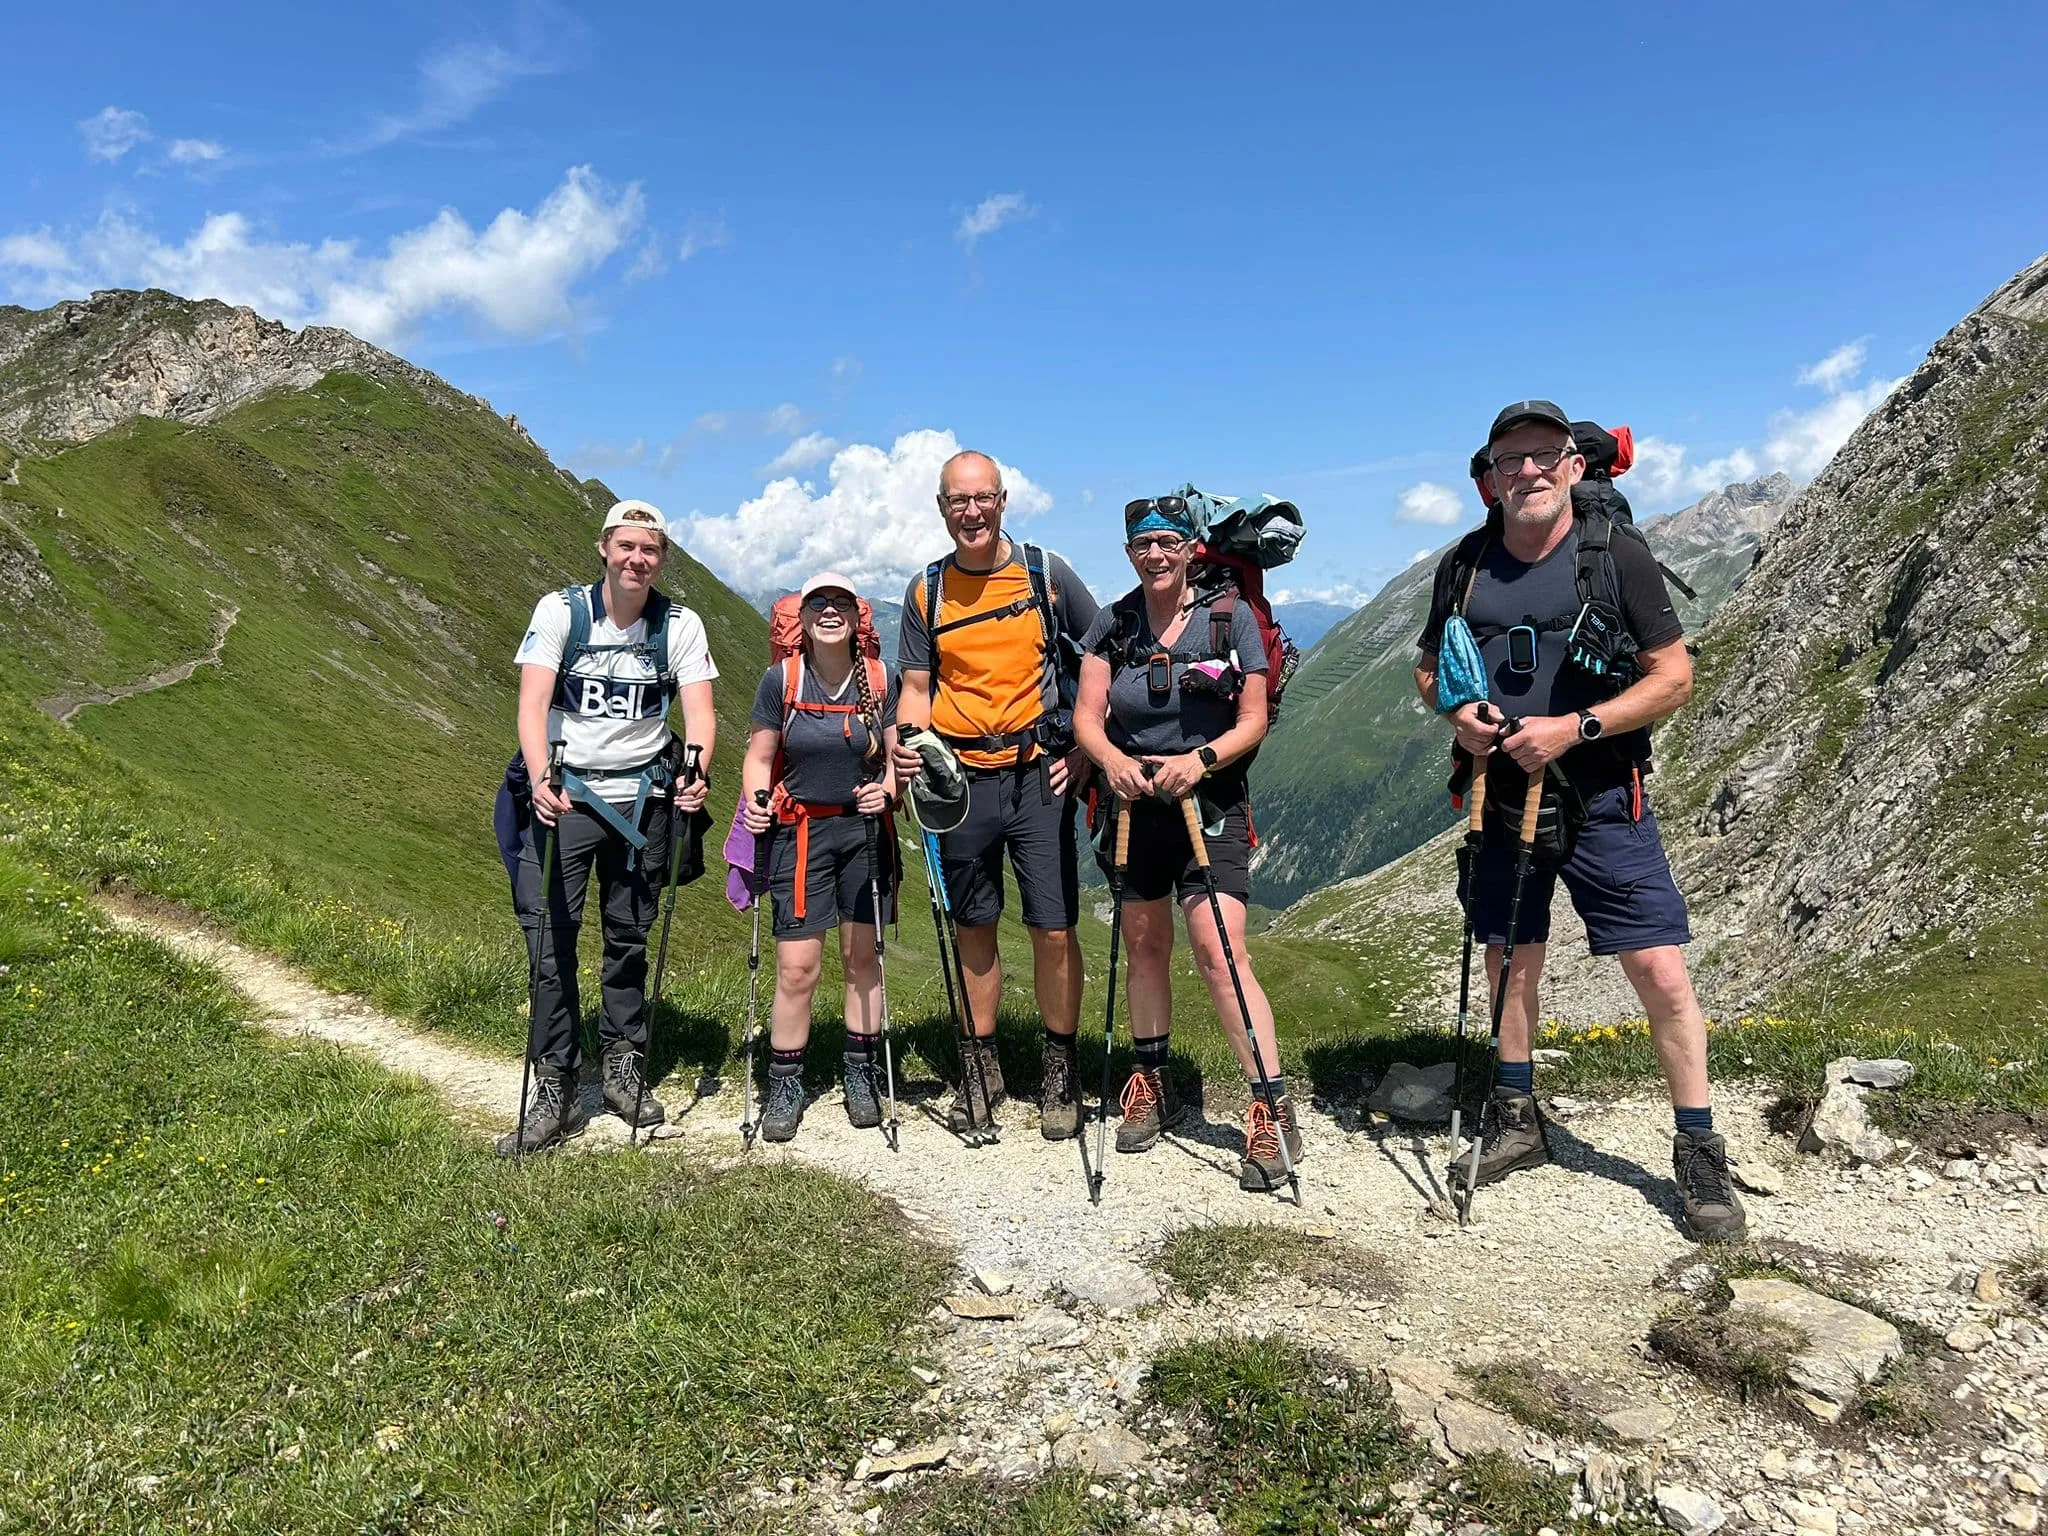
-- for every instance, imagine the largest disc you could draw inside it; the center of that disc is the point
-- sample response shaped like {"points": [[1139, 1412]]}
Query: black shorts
{"points": [[1619, 880], [1010, 809], [835, 876], [1163, 859]]}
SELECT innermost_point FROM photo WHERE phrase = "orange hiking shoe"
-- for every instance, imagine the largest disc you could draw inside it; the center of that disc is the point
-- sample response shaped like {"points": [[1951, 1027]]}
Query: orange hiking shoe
{"points": [[1150, 1107], [1263, 1169]]}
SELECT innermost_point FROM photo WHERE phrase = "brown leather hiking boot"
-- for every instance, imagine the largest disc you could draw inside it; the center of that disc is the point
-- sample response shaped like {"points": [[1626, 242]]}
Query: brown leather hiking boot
{"points": [[623, 1068], [551, 1115], [1262, 1171], [1510, 1138], [972, 1109], [1713, 1211], [1059, 1110], [1150, 1106]]}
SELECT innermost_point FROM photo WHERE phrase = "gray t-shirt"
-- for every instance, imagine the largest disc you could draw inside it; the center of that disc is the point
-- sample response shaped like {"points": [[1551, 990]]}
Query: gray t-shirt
{"points": [[820, 764], [1141, 721]]}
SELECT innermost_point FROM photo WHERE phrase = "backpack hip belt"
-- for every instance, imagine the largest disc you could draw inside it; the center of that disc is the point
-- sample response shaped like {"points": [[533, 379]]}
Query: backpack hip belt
{"points": [[654, 776], [789, 811]]}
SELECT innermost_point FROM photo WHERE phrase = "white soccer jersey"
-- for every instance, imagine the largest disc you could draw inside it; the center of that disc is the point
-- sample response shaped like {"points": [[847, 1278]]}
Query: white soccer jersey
{"points": [[608, 709]]}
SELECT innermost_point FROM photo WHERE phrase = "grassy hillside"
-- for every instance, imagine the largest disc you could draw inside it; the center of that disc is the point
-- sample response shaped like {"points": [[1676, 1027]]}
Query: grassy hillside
{"points": [[378, 555]]}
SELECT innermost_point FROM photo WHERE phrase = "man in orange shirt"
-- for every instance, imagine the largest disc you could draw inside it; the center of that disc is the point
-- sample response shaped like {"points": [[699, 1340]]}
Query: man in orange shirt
{"points": [[983, 631]]}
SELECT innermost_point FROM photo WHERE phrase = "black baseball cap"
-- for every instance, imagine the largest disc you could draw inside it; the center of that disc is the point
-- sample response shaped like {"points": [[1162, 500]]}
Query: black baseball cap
{"points": [[1546, 411]]}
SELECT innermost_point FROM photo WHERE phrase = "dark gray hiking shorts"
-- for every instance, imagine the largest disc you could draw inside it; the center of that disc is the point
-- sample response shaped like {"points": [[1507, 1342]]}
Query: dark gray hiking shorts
{"points": [[836, 885], [1009, 810], [1618, 878]]}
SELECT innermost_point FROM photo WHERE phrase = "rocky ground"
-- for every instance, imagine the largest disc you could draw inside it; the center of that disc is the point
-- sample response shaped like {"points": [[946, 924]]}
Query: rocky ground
{"points": [[1037, 1360]]}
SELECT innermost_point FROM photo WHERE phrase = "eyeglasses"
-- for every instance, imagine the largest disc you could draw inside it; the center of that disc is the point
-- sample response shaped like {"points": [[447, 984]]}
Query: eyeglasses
{"points": [[818, 602], [1545, 460], [1165, 506], [1164, 543], [987, 501]]}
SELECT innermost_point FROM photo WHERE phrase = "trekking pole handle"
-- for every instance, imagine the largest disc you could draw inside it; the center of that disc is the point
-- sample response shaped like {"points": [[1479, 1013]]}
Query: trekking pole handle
{"points": [[1476, 795], [555, 751], [1123, 834], [1532, 807], [693, 763], [1194, 820]]}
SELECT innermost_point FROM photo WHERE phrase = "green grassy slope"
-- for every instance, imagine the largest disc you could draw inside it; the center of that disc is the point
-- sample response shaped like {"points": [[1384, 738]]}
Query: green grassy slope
{"points": [[380, 554]]}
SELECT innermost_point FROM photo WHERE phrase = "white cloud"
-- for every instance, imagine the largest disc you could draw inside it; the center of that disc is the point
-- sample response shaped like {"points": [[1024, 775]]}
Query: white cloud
{"points": [[595, 458], [702, 235], [1420, 555], [990, 215], [1798, 442], [1428, 502], [1837, 369], [878, 520], [112, 131], [784, 418], [1350, 595], [195, 151], [516, 276], [457, 81], [811, 448], [1087, 498]]}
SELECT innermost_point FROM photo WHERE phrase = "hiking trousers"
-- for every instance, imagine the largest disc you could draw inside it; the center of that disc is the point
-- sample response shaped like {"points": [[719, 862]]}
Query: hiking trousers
{"points": [[630, 903]]}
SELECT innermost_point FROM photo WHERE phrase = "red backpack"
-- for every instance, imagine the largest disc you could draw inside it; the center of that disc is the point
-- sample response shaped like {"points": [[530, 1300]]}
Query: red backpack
{"points": [[786, 645]]}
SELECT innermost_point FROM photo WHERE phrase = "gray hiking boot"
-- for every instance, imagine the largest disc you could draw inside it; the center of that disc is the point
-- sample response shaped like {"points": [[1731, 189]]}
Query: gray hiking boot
{"points": [[1262, 1169], [1059, 1110], [623, 1067], [1713, 1211], [784, 1111], [1150, 1107], [550, 1112], [1510, 1137], [863, 1092], [980, 1090]]}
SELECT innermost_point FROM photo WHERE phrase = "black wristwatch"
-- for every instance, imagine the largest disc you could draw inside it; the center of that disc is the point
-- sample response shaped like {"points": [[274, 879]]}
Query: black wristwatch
{"points": [[1589, 726], [1208, 757]]}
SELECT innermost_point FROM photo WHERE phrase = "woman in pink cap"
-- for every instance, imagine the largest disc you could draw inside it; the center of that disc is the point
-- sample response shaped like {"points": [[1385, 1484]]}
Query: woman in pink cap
{"points": [[817, 768]]}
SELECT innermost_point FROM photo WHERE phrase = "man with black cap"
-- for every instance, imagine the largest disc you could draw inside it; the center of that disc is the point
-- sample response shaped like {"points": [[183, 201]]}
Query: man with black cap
{"points": [[1583, 654]]}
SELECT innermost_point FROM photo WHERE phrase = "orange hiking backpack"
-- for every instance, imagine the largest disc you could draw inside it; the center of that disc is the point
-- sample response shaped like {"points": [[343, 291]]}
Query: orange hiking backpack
{"points": [[786, 645]]}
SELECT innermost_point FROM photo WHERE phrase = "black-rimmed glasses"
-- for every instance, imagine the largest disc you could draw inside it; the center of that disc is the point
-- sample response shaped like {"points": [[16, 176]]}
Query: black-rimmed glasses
{"points": [[987, 501], [1545, 459]]}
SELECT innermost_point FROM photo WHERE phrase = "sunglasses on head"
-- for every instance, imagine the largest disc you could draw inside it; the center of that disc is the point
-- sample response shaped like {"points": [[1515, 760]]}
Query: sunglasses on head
{"points": [[1166, 506]]}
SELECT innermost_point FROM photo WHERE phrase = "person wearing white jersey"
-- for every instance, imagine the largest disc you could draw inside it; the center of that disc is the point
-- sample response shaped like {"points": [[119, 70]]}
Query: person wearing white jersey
{"points": [[598, 671]]}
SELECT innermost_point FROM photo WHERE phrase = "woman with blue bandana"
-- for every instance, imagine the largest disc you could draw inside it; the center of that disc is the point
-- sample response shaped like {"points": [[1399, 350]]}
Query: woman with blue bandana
{"points": [[1172, 703]]}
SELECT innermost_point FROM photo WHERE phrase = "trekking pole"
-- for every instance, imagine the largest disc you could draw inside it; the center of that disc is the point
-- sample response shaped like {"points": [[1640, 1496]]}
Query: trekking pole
{"points": [[1120, 813], [1468, 895], [956, 975], [893, 1133], [753, 1005], [1525, 855], [693, 756], [547, 887], [1193, 818]]}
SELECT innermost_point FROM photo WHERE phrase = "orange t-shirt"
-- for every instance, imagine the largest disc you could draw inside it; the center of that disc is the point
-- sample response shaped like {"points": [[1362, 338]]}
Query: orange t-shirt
{"points": [[990, 679]]}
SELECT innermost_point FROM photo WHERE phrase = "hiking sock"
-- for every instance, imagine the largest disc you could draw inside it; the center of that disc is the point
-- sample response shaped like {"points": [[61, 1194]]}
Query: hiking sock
{"points": [[1054, 1041], [1276, 1085], [1151, 1054], [1698, 1121], [862, 1047], [786, 1063], [1518, 1075]]}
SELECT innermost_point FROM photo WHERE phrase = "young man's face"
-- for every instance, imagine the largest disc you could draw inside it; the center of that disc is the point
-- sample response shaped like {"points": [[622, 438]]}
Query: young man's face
{"points": [[1526, 490], [971, 501], [633, 556]]}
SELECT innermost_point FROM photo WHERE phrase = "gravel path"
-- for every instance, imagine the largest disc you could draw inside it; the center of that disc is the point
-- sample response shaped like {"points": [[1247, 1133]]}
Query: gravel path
{"points": [[1556, 1269]]}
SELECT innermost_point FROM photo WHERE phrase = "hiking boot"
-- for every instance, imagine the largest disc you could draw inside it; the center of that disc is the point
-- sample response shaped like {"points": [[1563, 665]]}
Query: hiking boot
{"points": [[1059, 1111], [784, 1111], [622, 1087], [1262, 1170], [1510, 1137], [1149, 1107], [971, 1109], [550, 1109], [1713, 1211], [863, 1092]]}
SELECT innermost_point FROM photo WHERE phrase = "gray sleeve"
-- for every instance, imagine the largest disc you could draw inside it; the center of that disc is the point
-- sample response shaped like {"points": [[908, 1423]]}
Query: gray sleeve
{"points": [[1098, 632], [1244, 639], [767, 714], [894, 693], [1075, 605], [913, 639]]}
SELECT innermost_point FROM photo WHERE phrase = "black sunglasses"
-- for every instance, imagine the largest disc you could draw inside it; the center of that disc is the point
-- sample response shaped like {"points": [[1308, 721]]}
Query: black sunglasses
{"points": [[1165, 506]]}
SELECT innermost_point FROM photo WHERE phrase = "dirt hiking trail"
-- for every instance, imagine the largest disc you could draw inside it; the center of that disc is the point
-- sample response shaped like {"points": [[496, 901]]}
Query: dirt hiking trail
{"points": [[1560, 1269]]}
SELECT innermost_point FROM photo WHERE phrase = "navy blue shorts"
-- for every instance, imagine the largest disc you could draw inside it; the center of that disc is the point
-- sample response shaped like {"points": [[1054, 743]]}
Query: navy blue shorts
{"points": [[1011, 809], [1618, 878]]}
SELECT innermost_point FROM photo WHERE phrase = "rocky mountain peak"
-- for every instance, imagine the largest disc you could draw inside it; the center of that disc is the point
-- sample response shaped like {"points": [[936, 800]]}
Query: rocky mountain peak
{"points": [[1745, 508], [80, 367]]}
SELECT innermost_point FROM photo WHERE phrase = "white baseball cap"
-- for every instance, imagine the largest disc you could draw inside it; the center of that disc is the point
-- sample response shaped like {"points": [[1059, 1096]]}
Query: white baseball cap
{"points": [[635, 514], [829, 581]]}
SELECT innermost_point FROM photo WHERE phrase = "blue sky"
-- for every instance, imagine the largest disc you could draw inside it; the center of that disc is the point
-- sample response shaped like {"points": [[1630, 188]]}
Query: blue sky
{"points": [[763, 266]]}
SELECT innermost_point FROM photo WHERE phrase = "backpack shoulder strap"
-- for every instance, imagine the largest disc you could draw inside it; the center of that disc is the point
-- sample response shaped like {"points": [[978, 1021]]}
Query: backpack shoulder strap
{"points": [[1222, 610], [1594, 573], [1048, 620], [659, 609], [1121, 638], [792, 686], [934, 583], [580, 601]]}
